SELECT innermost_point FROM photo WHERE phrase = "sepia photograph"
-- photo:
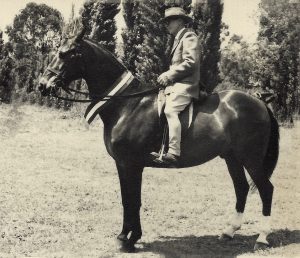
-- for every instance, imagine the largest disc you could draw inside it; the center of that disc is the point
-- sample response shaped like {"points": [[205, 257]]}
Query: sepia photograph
{"points": [[149, 128]]}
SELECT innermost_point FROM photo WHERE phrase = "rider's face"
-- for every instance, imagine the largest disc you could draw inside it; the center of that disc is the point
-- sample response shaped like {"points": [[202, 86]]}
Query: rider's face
{"points": [[174, 25]]}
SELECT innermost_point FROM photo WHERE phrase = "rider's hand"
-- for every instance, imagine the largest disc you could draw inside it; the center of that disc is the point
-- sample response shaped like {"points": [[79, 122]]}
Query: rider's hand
{"points": [[163, 80]]}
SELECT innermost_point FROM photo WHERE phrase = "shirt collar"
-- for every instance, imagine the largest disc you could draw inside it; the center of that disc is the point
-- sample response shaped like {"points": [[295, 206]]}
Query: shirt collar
{"points": [[179, 33]]}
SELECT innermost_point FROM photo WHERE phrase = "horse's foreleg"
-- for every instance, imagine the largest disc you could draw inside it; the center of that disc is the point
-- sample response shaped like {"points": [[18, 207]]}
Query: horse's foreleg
{"points": [[241, 188], [130, 182]]}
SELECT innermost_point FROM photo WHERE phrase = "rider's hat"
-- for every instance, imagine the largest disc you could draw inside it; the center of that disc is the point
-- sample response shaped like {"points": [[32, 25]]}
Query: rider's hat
{"points": [[176, 12]]}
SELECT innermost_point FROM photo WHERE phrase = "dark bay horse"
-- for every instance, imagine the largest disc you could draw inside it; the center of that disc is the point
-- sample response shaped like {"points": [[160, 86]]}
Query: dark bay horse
{"points": [[230, 124]]}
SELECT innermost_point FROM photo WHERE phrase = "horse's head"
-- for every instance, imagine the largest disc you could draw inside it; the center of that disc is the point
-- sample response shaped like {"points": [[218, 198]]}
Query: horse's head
{"points": [[66, 66]]}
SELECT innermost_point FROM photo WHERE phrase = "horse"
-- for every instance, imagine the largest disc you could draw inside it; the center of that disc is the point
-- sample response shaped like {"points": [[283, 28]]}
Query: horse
{"points": [[232, 124]]}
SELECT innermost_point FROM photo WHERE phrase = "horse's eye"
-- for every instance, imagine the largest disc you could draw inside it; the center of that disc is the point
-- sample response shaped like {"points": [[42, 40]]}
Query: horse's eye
{"points": [[70, 53]]}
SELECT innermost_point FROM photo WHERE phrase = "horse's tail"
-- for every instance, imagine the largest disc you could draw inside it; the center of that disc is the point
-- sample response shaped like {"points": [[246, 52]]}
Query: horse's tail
{"points": [[271, 157], [272, 153]]}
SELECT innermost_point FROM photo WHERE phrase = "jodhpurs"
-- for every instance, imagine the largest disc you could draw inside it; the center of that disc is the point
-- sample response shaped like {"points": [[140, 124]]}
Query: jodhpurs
{"points": [[175, 103]]}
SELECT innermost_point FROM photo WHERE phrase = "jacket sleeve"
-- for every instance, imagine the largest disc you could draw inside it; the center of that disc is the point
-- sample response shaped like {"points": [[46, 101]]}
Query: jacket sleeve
{"points": [[190, 55]]}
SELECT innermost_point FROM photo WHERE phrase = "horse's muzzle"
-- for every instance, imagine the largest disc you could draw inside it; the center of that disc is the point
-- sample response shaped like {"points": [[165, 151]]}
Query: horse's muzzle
{"points": [[43, 83], [47, 86], [43, 90]]}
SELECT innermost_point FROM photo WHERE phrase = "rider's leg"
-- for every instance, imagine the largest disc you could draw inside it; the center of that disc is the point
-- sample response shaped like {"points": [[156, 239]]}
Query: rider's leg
{"points": [[174, 105]]}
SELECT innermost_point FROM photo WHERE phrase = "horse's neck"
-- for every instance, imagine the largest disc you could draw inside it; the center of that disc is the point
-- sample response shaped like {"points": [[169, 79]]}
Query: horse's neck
{"points": [[100, 78], [117, 108], [99, 81], [102, 70]]}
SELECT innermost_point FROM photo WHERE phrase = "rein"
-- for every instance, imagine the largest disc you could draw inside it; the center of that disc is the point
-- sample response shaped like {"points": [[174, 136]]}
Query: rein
{"points": [[96, 98], [108, 97], [102, 97]]}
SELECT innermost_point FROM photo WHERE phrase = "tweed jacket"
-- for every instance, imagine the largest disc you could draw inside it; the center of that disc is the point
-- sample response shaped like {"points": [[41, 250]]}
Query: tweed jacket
{"points": [[184, 70]]}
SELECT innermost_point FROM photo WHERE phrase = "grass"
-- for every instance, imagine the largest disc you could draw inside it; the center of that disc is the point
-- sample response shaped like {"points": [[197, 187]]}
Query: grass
{"points": [[60, 196]]}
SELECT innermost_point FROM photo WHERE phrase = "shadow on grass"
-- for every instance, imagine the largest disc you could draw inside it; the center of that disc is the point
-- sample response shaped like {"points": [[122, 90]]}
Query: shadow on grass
{"points": [[211, 246]]}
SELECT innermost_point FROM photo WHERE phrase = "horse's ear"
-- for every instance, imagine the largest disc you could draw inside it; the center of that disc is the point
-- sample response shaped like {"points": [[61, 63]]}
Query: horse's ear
{"points": [[80, 35]]}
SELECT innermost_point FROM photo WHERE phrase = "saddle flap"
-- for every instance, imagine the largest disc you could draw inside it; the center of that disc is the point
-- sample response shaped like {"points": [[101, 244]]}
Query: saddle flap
{"points": [[161, 102]]}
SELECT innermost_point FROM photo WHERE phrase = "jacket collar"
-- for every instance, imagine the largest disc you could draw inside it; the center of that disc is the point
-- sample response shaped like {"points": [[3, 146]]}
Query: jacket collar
{"points": [[179, 36], [179, 33]]}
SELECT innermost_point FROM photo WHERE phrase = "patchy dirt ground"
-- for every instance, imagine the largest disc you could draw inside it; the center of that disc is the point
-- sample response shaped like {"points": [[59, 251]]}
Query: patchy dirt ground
{"points": [[60, 196]]}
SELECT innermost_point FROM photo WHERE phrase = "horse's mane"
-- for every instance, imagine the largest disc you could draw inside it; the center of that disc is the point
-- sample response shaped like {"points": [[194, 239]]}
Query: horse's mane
{"points": [[115, 60]]}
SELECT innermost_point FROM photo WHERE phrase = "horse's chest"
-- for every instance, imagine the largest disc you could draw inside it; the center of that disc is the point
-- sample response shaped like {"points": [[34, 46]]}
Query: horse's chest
{"points": [[121, 139]]}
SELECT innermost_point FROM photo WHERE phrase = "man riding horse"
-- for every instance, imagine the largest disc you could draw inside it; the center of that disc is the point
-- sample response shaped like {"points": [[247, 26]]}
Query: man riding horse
{"points": [[230, 124], [181, 81]]}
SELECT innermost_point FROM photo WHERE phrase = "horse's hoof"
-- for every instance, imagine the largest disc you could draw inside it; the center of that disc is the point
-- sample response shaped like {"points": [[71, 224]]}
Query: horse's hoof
{"points": [[127, 247], [225, 237], [122, 238], [260, 246]]}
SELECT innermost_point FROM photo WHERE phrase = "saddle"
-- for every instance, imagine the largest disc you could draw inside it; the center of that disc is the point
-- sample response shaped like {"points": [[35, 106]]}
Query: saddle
{"points": [[265, 96]]}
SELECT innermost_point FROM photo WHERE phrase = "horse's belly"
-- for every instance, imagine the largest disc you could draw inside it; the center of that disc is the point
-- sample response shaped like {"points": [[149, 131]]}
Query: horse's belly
{"points": [[203, 142], [199, 153]]}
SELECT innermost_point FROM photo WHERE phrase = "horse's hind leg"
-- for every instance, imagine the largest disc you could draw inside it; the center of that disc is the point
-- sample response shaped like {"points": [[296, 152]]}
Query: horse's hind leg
{"points": [[265, 189], [241, 188]]}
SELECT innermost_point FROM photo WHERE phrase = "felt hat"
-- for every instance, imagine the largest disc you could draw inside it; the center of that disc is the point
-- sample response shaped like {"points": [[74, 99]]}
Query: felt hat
{"points": [[176, 12]]}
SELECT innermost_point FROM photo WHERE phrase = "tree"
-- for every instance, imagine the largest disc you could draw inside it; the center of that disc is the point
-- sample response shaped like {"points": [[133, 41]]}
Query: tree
{"points": [[98, 19], [207, 23], [35, 31], [86, 15], [6, 73], [133, 34], [280, 34], [236, 64], [104, 26], [151, 56], [185, 4], [1, 43]]}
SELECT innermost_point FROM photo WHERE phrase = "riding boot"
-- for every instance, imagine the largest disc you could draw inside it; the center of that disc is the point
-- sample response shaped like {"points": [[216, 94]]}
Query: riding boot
{"points": [[168, 160], [155, 155]]}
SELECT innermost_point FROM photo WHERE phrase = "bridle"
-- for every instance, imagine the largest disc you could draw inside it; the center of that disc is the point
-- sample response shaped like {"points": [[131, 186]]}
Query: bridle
{"points": [[60, 79], [96, 98]]}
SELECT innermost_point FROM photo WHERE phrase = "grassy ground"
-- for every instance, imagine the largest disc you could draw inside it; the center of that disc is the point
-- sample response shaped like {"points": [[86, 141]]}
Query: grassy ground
{"points": [[60, 196]]}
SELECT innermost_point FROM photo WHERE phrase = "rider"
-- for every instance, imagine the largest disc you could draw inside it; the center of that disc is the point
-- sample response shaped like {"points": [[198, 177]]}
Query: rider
{"points": [[181, 81]]}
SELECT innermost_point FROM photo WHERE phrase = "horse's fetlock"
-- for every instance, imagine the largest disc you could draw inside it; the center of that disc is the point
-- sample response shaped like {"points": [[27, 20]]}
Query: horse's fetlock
{"points": [[135, 236]]}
